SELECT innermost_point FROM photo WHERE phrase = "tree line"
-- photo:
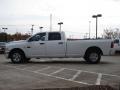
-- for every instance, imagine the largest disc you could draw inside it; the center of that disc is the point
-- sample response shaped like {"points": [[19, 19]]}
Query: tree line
{"points": [[111, 33], [4, 37]]}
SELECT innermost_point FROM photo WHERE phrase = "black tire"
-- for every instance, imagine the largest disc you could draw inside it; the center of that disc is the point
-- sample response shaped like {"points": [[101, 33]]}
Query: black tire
{"points": [[17, 56], [93, 56]]}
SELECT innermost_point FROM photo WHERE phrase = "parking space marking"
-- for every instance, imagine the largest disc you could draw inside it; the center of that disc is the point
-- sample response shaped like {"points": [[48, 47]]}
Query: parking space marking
{"points": [[76, 75], [68, 74], [80, 70], [73, 77], [87, 77], [49, 75], [93, 72], [110, 80], [73, 70], [65, 79], [28, 67], [18, 65], [57, 71], [34, 67], [50, 70], [42, 69], [111, 75], [99, 79]]}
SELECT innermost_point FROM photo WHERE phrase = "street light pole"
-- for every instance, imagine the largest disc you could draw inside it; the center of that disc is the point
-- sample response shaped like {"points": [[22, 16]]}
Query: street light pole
{"points": [[96, 16], [89, 29], [50, 22], [4, 29], [96, 26], [32, 30], [41, 29], [60, 25]]}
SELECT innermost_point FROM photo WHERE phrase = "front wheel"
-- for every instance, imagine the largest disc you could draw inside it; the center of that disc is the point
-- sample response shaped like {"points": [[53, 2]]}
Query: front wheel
{"points": [[93, 56], [17, 57]]}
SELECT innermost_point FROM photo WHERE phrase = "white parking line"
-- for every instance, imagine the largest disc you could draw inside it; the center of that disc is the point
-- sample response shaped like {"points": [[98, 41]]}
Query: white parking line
{"points": [[76, 75], [57, 71], [41, 69], [77, 70], [28, 67], [72, 79], [49, 75], [110, 75], [65, 79], [93, 72], [99, 79]]}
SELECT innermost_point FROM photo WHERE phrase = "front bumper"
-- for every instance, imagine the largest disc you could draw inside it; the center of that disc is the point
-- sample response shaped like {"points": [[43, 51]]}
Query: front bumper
{"points": [[6, 54], [2, 49]]}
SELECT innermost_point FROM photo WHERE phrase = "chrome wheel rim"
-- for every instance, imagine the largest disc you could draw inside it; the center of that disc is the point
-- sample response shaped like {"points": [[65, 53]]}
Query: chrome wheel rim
{"points": [[16, 57], [93, 57]]}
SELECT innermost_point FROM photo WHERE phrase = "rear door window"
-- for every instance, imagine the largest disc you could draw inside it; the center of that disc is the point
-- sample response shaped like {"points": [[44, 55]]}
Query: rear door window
{"points": [[54, 36]]}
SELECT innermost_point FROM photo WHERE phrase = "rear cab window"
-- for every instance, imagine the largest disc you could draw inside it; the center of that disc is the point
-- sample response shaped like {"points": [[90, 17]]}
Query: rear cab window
{"points": [[54, 36]]}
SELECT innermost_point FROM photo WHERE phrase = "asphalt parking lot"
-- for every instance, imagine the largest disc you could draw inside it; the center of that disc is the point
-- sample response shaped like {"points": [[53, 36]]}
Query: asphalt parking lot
{"points": [[57, 73]]}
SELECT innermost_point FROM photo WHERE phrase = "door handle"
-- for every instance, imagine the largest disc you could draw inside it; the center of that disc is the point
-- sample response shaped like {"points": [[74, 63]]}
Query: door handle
{"points": [[60, 42], [42, 43], [28, 47]]}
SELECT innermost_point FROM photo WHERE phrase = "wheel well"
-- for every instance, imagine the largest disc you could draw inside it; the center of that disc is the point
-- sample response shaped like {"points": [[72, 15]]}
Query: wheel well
{"points": [[16, 49], [94, 48]]}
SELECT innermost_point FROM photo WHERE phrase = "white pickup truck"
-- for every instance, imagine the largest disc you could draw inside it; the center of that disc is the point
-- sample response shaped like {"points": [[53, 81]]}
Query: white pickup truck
{"points": [[55, 45]]}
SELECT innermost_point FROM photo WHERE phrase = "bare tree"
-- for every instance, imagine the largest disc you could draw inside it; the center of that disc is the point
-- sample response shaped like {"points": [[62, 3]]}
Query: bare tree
{"points": [[111, 33]]}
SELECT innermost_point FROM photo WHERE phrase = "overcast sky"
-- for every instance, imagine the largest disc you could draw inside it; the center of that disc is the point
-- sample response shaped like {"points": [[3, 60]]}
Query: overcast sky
{"points": [[75, 14]]}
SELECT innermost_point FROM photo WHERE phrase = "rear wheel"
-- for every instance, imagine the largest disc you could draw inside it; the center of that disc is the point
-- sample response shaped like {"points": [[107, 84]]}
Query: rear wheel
{"points": [[17, 57], [93, 56]]}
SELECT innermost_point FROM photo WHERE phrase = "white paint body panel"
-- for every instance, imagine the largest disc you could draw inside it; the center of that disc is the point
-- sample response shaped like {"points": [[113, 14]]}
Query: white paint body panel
{"points": [[36, 49], [79, 47], [54, 49]]}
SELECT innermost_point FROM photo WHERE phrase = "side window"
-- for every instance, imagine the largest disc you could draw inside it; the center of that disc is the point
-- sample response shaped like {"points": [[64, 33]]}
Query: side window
{"points": [[54, 36], [37, 37]]}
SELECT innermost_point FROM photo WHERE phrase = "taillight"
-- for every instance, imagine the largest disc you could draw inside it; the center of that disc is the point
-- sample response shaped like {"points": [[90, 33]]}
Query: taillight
{"points": [[112, 44]]}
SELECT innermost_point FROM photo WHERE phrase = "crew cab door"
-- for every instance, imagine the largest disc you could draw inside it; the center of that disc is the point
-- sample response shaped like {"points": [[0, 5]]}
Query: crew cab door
{"points": [[37, 45], [55, 46]]}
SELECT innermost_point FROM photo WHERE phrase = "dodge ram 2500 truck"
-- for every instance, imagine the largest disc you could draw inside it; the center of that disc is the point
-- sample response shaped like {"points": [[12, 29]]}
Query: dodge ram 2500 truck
{"points": [[55, 45]]}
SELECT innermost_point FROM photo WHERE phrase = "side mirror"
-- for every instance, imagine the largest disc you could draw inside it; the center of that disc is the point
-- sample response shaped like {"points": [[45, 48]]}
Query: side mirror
{"points": [[29, 40]]}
